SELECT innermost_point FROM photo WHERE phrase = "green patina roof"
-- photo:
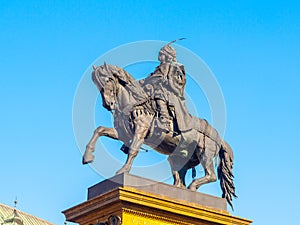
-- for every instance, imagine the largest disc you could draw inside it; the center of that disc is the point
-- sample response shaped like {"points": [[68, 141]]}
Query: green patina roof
{"points": [[11, 216]]}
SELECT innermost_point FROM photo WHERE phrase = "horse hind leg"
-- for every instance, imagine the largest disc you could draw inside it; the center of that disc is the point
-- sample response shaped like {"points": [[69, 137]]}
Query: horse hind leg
{"points": [[178, 172], [210, 176], [182, 174], [179, 178], [175, 173], [206, 159]]}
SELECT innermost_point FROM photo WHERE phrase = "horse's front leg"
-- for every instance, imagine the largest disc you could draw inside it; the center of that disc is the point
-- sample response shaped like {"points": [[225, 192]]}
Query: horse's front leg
{"points": [[88, 156], [142, 123]]}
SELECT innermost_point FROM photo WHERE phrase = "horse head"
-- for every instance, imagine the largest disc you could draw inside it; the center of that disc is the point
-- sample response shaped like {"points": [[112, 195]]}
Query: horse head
{"points": [[106, 82]]}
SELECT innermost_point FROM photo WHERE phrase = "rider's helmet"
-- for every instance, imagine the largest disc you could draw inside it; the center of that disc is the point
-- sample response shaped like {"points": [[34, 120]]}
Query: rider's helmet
{"points": [[168, 53]]}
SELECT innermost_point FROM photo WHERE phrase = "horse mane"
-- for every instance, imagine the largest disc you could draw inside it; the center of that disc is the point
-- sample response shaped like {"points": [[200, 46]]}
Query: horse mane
{"points": [[121, 74], [132, 86]]}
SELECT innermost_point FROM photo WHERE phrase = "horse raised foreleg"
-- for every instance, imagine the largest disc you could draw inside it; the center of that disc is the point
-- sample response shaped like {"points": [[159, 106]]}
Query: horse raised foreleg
{"points": [[142, 123], [88, 156]]}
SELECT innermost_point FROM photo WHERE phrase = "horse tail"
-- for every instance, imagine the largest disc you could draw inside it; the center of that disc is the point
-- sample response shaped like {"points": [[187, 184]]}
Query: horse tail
{"points": [[225, 174]]}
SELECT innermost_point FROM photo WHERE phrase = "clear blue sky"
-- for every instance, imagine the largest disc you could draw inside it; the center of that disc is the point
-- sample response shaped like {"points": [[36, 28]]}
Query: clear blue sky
{"points": [[252, 47]]}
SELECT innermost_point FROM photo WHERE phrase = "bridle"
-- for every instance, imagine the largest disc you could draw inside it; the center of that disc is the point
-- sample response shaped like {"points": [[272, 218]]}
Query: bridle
{"points": [[101, 80]]}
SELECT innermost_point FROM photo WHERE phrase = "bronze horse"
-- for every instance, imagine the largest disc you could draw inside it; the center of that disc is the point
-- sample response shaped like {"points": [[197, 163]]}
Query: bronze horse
{"points": [[135, 123]]}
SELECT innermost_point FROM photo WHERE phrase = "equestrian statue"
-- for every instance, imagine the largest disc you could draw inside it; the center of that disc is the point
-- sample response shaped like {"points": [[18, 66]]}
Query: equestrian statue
{"points": [[152, 111]]}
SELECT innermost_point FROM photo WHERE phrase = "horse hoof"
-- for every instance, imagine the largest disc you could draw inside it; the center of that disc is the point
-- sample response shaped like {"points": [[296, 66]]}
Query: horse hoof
{"points": [[181, 186], [87, 158], [122, 170], [192, 187]]}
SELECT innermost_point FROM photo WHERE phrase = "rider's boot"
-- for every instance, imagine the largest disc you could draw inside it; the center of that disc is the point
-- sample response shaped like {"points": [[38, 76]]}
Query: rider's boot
{"points": [[164, 117]]}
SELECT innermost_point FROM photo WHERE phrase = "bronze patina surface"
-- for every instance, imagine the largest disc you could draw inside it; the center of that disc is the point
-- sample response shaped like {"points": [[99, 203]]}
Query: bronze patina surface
{"points": [[152, 111]]}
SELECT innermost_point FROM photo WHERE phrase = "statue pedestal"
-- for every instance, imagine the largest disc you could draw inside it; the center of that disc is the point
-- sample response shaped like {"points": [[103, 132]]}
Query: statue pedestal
{"points": [[140, 201]]}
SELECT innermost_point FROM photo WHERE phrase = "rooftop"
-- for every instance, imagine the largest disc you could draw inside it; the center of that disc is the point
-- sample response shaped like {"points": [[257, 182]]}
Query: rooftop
{"points": [[12, 216]]}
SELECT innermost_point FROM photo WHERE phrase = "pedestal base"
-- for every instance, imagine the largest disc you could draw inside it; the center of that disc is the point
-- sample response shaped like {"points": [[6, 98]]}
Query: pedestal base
{"points": [[139, 201]]}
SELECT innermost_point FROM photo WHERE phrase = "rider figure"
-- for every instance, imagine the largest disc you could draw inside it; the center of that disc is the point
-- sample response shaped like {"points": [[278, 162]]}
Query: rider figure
{"points": [[168, 81], [166, 56]]}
